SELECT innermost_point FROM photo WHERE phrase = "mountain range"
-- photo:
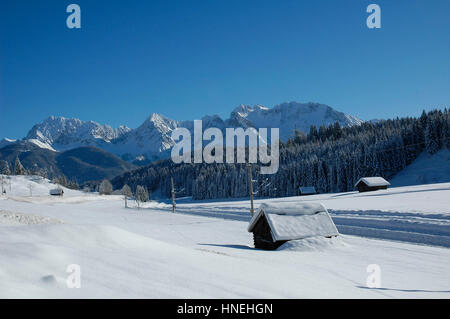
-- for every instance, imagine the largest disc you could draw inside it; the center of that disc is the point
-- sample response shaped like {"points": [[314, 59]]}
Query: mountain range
{"points": [[152, 140]]}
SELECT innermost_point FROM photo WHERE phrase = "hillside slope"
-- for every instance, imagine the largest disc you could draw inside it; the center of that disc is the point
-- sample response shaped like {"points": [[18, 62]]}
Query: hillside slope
{"points": [[426, 169], [80, 164], [91, 163]]}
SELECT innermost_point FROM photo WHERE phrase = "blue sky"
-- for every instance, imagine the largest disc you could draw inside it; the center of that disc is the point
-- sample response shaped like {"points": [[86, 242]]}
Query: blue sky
{"points": [[186, 59]]}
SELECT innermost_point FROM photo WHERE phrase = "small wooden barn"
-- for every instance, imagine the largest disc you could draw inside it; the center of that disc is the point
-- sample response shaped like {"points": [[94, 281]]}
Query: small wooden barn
{"points": [[367, 184], [57, 192], [275, 224], [307, 190]]}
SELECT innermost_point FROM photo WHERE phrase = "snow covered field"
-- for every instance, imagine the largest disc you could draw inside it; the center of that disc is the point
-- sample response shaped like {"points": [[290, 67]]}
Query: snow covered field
{"points": [[205, 251]]}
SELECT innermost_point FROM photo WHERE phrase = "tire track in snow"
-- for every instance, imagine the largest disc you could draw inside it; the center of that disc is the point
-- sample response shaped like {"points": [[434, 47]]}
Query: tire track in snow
{"points": [[419, 238], [430, 229]]}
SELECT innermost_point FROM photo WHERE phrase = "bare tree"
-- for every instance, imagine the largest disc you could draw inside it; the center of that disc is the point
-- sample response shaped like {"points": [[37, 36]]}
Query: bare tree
{"points": [[126, 192], [105, 188], [141, 195]]}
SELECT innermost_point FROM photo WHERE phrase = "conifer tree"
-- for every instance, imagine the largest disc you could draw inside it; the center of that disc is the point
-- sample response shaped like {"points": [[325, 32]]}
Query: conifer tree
{"points": [[4, 168], [18, 168]]}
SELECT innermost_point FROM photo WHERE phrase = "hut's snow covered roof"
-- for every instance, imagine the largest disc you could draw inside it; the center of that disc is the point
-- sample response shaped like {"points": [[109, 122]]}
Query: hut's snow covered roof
{"points": [[289, 221], [56, 191], [308, 190], [297, 208], [373, 181]]}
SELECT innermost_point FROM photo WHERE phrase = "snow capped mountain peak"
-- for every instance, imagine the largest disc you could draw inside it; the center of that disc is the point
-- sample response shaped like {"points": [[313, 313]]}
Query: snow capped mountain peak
{"points": [[64, 133], [150, 139], [158, 122], [289, 116], [244, 110], [122, 129], [155, 117]]}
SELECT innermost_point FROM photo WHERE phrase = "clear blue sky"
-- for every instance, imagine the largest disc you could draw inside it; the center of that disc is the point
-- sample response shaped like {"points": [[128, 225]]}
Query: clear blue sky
{"points": [[186, 59]]}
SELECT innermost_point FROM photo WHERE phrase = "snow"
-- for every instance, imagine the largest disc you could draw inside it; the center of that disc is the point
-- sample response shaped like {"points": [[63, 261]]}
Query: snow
{"points": [[373, 181], [426, 169], [59, 133], [418, 214], [292, 208], [7, 217], [307, 190], [315, 243], [40, 144], [204, 250], [285, 227], [295, 221], [153, 139], [40, 187], [290, 116]]}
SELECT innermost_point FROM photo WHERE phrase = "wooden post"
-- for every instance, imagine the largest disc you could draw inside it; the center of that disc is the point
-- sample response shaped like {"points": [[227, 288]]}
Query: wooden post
{"points": [[250, 185], [174, 205]]}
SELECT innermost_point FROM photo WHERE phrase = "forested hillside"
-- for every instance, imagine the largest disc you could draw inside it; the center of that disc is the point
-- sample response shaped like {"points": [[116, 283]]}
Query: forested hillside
{"points": [[330, 158], [76, 166]]}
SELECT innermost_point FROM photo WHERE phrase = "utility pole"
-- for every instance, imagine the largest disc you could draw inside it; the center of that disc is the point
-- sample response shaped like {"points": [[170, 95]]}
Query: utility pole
{"points": [[250, 185], [174, 205], [30, 187]]}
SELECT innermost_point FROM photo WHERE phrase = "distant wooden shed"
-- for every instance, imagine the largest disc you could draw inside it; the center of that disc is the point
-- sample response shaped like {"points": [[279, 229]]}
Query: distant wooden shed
{"points": [[57, 192], [275, 224], [307, 190], [367, 184]]}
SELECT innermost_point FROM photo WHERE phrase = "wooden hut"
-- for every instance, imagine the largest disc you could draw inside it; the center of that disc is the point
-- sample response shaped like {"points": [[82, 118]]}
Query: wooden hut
{"points": [[367, 184], [57, 192], [275, 224], [306, 190]]}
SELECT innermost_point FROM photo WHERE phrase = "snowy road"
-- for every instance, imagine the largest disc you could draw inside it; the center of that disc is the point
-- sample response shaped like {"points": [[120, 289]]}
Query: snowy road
{"points": [[382, 214]]}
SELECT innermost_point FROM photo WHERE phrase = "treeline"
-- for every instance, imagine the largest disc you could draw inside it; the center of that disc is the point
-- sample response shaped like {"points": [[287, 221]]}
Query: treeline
{"points": [[330, 158]]}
